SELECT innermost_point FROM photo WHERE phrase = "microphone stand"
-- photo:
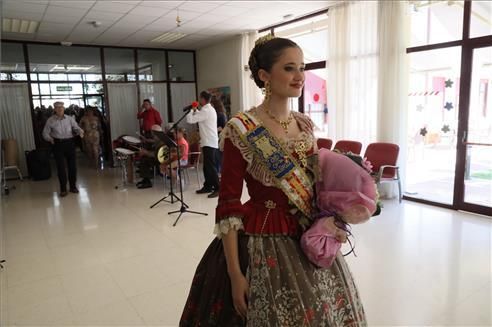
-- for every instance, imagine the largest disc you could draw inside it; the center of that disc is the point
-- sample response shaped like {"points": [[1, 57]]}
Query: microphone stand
{"points": [[184, 207], [171, 194], [170, 143]]}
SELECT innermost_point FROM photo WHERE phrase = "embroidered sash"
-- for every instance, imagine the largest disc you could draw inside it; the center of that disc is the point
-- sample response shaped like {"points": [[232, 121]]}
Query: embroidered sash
{"points": [[283, 167]]}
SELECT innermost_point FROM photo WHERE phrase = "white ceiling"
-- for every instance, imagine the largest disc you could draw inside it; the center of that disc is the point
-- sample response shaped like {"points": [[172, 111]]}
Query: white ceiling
{"points": [[135, 23]]}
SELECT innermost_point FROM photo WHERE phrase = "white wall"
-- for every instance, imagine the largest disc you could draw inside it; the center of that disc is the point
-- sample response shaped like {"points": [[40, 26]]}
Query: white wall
{"points": [[218, 65]]}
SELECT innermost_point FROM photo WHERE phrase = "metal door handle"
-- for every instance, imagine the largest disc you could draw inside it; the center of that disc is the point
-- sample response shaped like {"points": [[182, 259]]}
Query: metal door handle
{"points": [[463, 139]]}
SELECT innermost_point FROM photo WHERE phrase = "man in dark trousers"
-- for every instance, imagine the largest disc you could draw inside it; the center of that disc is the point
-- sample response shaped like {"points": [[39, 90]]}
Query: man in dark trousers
{"points": [[206, 117], [60, 130], [148, 158]]}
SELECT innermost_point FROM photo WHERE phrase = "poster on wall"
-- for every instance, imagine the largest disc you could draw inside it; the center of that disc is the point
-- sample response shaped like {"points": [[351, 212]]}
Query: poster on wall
{"points": [[224, 94]]}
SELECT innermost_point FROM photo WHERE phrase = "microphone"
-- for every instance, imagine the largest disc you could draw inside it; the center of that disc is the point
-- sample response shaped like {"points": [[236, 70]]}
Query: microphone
{"points": [[193, 105]]}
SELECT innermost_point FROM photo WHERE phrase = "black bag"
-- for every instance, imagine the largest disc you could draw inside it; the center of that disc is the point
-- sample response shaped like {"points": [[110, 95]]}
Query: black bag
{"points": [[38, 164]]}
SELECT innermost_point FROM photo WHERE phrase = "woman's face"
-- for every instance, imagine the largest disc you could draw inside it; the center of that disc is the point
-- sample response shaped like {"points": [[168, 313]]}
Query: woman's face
{"points": [[287, 74]]}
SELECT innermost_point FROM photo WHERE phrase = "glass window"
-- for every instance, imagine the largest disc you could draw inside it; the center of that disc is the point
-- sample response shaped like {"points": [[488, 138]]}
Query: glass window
{"points": [[313, 44], [44, 88], [4, 77], [75, 77], [315, 104], [92, 77], [93, 88], [59, 59], [36, 101], [12, 56], [115, 77], [58, 77], [120, 64], [19, 77], [311, 35], [151, 65], [181, 66], [435, 21], [34, 77], [145, 74], [302, 25], [432, 123], [481, 18], [44, 77], [35, 88]]}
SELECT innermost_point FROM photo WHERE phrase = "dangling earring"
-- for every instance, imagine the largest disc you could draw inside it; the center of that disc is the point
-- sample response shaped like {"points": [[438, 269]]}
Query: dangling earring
{"points": [[268, 90]]}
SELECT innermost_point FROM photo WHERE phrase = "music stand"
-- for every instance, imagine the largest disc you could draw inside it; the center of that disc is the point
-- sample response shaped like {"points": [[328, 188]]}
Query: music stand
{"points": [[184, 206], [169, 142]]}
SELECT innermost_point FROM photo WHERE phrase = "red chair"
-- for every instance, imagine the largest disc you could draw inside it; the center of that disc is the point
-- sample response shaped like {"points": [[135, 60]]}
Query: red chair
{"points": [[383, 157], [324, 143], [345, 146]]}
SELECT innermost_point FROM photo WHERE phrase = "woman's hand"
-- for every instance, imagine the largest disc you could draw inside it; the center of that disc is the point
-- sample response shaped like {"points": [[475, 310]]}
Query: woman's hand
{"points": [[240, 289], [339, 233]]}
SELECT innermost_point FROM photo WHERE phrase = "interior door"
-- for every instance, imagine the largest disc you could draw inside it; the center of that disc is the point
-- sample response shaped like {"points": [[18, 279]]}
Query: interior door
{"points": [[474, 164]]}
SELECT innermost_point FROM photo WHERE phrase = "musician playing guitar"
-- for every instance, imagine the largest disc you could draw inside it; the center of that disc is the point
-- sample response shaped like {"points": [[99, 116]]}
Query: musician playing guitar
{"points": [[172, 157]]}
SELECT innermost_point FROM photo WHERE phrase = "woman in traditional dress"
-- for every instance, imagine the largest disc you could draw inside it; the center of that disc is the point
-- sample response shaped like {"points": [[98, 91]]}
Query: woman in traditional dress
{"points": [[92, 131], [255, 272]]}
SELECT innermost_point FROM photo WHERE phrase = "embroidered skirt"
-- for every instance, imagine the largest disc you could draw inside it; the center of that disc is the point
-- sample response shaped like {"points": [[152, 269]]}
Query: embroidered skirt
{"points": [[285, 288]]}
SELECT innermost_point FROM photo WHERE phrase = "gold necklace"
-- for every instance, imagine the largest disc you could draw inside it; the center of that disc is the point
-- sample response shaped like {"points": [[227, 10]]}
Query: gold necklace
{"points": [[283, 123]]}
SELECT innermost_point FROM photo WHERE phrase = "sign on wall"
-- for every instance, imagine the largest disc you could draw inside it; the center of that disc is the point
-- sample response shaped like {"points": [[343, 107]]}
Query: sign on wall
{"points": [[62, 88]]}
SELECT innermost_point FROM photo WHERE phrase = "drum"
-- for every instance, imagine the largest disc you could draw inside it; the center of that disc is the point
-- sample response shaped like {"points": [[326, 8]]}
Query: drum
{"points": [[131, 142], [164, 156], [126, 155]]}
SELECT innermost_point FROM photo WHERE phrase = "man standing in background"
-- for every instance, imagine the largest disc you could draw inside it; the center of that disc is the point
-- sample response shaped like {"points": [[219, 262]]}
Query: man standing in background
{"points": [[206, 117], [150, 117], [59, 131]]}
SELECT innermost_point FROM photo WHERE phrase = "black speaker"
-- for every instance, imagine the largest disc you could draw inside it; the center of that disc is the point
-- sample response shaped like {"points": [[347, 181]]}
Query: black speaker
{"points": [[38, 164]]}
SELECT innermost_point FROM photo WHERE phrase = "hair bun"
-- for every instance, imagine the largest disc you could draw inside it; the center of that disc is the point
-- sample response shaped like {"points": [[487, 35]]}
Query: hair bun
{"points": [[264, 39]]}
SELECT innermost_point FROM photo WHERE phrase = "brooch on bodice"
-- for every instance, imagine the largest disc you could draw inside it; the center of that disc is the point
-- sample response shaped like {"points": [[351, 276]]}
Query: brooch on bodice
{"points": [[300, 148]]}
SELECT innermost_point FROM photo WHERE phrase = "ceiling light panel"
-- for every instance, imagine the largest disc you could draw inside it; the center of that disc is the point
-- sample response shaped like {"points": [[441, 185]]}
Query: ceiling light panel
{"points": [[168, 37], [14, 25]]}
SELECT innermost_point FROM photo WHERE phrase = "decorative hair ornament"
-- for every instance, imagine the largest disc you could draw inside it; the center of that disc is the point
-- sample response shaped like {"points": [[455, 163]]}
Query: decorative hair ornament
{"points": [[264, 39], [253, 64]]}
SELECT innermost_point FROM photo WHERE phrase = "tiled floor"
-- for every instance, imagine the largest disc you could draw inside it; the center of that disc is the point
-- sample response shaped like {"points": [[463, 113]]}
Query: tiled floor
{"points": [[102, 257]]}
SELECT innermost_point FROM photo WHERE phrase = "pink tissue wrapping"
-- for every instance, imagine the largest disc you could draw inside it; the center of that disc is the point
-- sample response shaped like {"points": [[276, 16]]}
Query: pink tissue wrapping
{"points": [[345, 188], [319, 245]]}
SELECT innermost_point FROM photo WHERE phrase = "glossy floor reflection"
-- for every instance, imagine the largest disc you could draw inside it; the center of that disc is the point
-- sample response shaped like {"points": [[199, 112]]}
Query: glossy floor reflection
{"points": [[102, 257]]}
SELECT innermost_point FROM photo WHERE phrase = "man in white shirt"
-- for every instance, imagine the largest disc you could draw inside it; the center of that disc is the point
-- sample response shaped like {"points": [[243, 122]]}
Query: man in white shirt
{"points": [[206, 117], [59, 131]]}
